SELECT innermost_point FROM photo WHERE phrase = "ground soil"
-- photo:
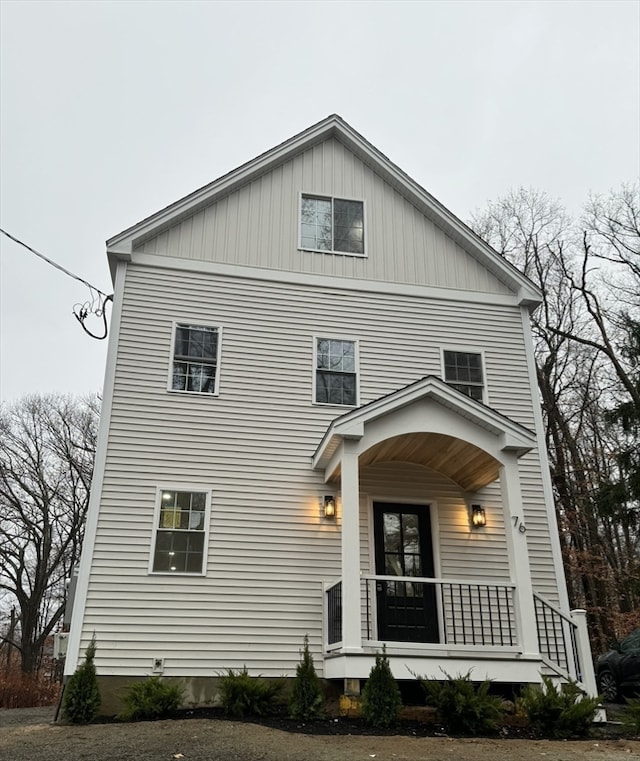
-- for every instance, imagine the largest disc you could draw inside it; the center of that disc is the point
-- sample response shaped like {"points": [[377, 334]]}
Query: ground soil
{"points": [[30, 735]]}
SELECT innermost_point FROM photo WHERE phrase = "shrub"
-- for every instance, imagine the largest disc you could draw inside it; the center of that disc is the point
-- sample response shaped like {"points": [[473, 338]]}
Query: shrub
{"points": [[558, 713], [631, 716], [463, 706], [244, 695], [19, 690], [151, 699], [82, 695], [381, 701], [306, 698]]}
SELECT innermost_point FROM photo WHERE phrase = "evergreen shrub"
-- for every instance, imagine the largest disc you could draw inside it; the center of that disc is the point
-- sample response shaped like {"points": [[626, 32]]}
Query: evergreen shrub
{"points": [[464, 707], [558, 713], [381, 700], [631, 716], [151, 699], [243, 695], [307, 699], [82, 695]]}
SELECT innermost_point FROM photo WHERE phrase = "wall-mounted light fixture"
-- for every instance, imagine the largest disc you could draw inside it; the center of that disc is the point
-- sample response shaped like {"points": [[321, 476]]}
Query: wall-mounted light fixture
{"points": [[329, 506], [478, 516]]}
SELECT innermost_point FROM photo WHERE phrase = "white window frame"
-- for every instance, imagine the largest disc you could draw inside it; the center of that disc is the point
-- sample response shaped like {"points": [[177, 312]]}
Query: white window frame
{"points": [[467, 350], [192, 489], [195, 323], [325, 197], [333, 337]]}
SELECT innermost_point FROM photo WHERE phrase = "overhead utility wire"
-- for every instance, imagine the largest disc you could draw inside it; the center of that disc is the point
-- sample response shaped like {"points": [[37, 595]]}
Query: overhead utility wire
{"points": [[96, 305], [52, 263]]}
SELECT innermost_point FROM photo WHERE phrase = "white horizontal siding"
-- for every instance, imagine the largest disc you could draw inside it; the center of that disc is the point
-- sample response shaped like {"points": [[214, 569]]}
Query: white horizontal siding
{"points": [[269, 549], [257, 225]]}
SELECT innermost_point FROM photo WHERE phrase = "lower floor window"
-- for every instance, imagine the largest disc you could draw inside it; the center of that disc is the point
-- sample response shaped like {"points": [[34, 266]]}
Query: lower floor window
{"points": [[180, 532]]}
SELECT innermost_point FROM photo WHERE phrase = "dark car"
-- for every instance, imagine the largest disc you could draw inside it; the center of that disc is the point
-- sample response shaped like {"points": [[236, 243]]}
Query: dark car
{"points": [[618, 671]]}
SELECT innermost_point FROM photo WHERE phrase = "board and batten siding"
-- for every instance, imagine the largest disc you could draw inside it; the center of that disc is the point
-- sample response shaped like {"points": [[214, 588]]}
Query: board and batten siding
{"points": [[258, 225], [270, 551]]}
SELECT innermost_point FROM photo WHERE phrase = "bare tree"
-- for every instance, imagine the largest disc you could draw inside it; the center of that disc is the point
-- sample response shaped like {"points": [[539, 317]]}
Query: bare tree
{"points": [[47, 449], [587, 371]]}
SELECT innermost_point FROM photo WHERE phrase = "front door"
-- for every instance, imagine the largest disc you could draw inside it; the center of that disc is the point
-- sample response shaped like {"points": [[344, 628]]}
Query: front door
{"points": [[406, 609]]}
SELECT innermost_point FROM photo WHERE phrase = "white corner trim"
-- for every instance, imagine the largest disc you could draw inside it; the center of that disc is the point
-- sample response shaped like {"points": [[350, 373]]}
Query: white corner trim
{"points": [[545, 470], [77, 616]]}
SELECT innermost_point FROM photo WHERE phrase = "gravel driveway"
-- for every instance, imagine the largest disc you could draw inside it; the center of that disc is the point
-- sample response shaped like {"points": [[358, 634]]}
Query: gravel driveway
{"points": [[28, 735]]}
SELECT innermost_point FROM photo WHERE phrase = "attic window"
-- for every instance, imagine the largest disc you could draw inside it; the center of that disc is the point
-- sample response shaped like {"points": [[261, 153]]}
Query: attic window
{"points": [[332, 224]]}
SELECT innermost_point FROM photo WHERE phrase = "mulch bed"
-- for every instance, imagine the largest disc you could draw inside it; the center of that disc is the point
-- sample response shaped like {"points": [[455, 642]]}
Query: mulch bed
{"points": [[333, 726]]}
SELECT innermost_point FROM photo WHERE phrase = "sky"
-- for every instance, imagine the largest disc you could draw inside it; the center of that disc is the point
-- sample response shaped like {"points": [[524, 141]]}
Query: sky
{"points": [[110, 111]]}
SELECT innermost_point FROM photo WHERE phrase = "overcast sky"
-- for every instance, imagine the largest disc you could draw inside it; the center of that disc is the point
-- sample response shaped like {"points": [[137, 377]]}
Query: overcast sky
{"points": [[112, 110]]}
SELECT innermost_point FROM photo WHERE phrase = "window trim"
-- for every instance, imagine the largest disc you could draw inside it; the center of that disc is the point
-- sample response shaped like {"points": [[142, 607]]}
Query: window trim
{"points": [[334, 337], [467, 350], [326, 197], [195, 323], [192, 489]]}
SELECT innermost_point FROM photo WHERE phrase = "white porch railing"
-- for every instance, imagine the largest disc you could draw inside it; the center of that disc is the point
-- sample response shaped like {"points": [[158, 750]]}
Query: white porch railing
{"points": [[463, 613]]}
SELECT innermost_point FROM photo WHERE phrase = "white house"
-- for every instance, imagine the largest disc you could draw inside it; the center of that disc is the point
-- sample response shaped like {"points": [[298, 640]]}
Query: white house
{"points": [[321, 417]]}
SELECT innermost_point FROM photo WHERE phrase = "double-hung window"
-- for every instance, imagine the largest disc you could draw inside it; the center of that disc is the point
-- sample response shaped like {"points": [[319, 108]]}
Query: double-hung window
{"points": [[332, 224], [181, 532], [463, 371], [196, 357], [336, 379]]}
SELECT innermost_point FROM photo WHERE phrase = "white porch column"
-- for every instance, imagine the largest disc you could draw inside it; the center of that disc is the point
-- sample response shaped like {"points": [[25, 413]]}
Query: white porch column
{"points": [[518, 552], [351, 593], [587, 677]]}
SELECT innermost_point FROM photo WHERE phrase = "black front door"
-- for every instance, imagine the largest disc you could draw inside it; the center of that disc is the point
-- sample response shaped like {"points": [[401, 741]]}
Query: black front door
{"points": [[406, 609]]}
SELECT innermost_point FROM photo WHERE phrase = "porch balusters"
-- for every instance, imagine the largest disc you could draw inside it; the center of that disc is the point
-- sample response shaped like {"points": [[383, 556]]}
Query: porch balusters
{"points": [[469, 613]]}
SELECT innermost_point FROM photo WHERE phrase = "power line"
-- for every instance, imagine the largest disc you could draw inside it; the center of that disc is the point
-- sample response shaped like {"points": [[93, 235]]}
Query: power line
{"points": [[96, 305], [51, 262]]}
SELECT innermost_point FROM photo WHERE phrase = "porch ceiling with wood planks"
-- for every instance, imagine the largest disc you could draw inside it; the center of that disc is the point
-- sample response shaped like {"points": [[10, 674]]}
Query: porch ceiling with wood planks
{"points": [[466, 464]]}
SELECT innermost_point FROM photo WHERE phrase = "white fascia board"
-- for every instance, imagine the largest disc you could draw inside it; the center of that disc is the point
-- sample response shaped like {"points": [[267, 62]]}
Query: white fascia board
{"points": [[114, 257], [513, 436], [432, 208], [515, 441], [334, 126], [227, 183], [433, 293]]}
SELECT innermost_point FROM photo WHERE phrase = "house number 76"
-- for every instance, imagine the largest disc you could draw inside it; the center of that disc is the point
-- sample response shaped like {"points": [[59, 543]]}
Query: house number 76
{"points": [[517, 523]]}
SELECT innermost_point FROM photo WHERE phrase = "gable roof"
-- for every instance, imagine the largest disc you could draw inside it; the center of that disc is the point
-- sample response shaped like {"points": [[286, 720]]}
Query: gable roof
{"points": [[465, 463], [333, 127]]}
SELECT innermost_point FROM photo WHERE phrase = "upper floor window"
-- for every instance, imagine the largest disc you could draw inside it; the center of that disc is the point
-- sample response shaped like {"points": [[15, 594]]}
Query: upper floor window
{"points": [[463, 371], [181, 531], [196, 355], [332, 224], [335, 372]]}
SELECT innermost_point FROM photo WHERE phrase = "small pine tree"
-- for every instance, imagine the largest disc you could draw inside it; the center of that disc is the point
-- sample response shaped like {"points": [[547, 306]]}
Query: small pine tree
{"points": [[381, 700], [82, 695], [306, 698]]}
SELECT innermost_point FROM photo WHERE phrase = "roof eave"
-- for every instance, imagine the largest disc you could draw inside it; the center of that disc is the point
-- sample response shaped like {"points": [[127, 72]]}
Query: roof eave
{"points": [[334, 126], [227, 183]]}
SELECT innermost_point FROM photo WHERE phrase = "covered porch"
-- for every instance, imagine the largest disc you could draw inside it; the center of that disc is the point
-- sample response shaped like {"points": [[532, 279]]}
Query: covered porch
{"points": [[427, 618]]}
